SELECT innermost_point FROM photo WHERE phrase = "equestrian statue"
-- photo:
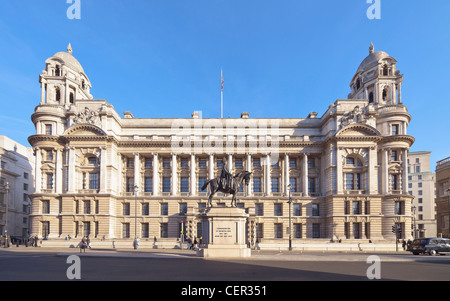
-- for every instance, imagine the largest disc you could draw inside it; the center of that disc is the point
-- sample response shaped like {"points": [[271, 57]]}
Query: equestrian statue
{"points": [[226, 183]]}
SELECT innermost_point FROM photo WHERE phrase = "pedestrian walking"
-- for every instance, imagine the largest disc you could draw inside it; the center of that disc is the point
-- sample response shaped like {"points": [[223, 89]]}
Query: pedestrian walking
{"points": [[404, 245]]}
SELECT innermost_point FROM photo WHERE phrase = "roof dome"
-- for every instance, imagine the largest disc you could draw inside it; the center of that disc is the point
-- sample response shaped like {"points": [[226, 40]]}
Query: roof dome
{"points": [[68, 59], [372, 59]]}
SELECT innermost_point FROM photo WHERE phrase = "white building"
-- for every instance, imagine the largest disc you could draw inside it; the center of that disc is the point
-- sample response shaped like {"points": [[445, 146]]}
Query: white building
{"points": [[347, 169], [422, 185], [16, 184]]}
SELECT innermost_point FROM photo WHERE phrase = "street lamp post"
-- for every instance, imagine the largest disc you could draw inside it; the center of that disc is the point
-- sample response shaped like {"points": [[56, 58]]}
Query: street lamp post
{"points": [[136, 188], [6, 188], [414, 220], [290, 224]]}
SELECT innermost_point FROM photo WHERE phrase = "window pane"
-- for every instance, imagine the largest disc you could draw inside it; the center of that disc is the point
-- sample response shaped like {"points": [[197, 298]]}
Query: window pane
{"points": [[349, 181]]}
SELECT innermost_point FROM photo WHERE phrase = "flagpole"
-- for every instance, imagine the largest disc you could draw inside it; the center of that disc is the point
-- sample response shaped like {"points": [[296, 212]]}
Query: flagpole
{"points": [[221, 94]]}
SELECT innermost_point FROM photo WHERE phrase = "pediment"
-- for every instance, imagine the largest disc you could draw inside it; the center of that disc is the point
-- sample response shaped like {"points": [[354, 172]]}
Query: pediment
{"points": [[84, 130], [358, 130]]}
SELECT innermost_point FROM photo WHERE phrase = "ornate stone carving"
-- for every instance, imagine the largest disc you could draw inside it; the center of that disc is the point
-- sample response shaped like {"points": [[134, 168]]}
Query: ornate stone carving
{"points": [[87, 116], [358, 115]]}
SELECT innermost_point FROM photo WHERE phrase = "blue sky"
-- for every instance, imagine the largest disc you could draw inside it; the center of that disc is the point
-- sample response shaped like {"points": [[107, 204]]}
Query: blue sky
{"points": [[280, 58]]}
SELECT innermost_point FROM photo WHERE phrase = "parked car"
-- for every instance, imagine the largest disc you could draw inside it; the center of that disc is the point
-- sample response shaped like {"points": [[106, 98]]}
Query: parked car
{"points": [[431, 246]]}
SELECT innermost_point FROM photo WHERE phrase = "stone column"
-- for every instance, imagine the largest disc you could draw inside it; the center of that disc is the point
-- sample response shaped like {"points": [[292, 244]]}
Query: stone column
{"points": [[174, 174], [155, 174], [286, 174], [405, 171], [384, 171], [267, 175], [71, 166], [339, 175], [103, 173], [372, 175], [137, 173], [211, 166], [249, 168], [43, 88], [305, 174], [59, 170], [38, 172], [193, 176]]}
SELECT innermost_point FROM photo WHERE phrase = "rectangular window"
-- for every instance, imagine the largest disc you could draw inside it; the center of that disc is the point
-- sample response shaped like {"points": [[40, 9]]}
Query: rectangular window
{"points": [[164, 209], [148, 163], [45, 207], [164, 230], [130, 184], [315, 210], [125, 230], [93, 180], [25, 186], [145, 230], [166, 163], [87, 207], [293, 163], [202, 163], [275, 185], [417, 168], [130, 162], [238, 163], [311, 185], [399, 207], [48, 129], [145, 209], [219, 163], [184, 184], [201, 182], [297, 230], [393, 182], [259, 209], [148, 184], [316, 230], [256, 184], [259, 231], [184, 163], [126, 208], [395, 128], [166, 184], [293, 182], [349, 179], [256, 163], [393, 155], [356, 207], [297, 210], [50, 181], [278, 209], [25, 175], [311, 163], [49, 155], [183, 208], [278, 230], [357, 230]]}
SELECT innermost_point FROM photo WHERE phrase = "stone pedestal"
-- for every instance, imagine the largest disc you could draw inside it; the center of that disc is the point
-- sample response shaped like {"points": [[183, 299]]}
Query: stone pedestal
{"points": [[224, 233]]}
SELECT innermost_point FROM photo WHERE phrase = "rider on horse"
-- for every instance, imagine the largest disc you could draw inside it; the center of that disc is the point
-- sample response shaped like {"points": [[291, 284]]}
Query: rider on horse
{"points": [[225, 176]]}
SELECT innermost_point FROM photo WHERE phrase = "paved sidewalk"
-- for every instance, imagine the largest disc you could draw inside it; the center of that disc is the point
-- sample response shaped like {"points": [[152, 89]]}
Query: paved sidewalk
{"points": [[183, 253]]}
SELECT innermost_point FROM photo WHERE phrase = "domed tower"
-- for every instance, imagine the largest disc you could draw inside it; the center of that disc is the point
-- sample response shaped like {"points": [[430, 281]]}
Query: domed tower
{"points": [[377, 79], [64, 80]]}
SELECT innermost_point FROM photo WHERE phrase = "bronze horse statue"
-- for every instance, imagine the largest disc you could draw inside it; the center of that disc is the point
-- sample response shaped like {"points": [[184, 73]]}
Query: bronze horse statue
{"points": [[213, 184]]}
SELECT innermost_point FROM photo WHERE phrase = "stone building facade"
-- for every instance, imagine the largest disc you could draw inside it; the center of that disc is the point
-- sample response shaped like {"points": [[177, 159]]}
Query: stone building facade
{"points": [[16, 184], [422, 185], [115, 177], [443, 197]]}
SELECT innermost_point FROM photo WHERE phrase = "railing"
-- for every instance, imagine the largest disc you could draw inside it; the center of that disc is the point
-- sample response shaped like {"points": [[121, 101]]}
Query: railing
{"points": [[443, 163]]}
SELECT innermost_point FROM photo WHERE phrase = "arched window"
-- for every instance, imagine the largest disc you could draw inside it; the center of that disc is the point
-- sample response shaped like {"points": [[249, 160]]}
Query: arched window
{"points": [[58, 95], [358, 84], [353, 173], [385, 70], [385, 93], [371, 97], [57, 71]]}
